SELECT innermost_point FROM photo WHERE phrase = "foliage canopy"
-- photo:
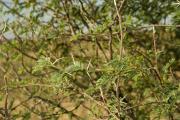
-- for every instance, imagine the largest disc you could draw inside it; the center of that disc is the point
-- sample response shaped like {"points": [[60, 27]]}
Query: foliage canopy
{"points": [[106, 59]]}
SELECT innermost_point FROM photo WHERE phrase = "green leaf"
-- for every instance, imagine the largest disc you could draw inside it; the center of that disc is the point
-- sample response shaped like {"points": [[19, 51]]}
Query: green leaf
{"points": [[42, 63], [27, 116], [75, 67]]}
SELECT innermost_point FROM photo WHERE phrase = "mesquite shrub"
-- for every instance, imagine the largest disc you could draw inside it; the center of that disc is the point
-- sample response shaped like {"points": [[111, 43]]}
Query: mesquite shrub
{"points": [[89, 59]]}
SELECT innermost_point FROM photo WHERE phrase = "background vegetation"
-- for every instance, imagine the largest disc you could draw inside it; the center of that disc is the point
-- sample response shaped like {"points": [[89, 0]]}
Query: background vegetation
{"points": [[90, 59]]}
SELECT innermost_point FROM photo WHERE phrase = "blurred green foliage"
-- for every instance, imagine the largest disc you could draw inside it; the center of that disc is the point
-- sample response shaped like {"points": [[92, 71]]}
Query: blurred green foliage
{"points": [[59, 52]]}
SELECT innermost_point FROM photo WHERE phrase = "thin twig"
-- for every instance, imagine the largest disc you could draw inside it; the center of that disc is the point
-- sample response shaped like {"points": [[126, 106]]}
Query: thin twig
{"points": [[58, 106], [120, 28], [155, 47], [102, 50], [139, 105], [100, 104], [6, 111], [110, 45], [21, 103], [155, 54]]}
